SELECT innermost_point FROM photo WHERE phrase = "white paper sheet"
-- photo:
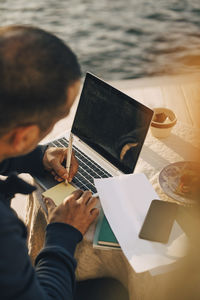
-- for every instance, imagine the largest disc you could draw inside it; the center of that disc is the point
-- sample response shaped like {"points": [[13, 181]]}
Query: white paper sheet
{"points": [[125, 200]]}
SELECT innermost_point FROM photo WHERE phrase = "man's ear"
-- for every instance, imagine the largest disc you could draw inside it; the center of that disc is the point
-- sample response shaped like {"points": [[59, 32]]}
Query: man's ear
{"points": [[24, 138], [72, 93]]}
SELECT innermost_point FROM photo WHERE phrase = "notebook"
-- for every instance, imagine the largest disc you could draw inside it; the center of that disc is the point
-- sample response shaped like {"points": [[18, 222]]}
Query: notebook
{"points": [[104, 236], [109, 130]]}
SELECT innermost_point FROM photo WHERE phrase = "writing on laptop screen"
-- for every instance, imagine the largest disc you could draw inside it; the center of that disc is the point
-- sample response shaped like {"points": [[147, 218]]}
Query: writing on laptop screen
{"points": [[112, 123]]}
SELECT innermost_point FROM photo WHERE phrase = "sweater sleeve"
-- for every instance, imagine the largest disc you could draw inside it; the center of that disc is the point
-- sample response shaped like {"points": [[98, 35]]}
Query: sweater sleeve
{"points": [[31, 163], [53, 276], [61, 240]]}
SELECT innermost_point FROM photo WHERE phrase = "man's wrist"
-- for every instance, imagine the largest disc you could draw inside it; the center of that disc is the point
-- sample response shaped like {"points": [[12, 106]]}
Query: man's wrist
{"points": [[64, 235]]}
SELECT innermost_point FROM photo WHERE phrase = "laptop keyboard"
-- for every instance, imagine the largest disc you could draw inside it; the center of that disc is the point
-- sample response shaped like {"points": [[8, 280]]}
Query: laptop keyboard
{"points": [[88, 169]]}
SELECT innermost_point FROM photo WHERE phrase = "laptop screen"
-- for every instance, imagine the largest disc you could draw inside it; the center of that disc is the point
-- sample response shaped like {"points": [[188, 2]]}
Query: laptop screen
{"points": [[111, 123]]}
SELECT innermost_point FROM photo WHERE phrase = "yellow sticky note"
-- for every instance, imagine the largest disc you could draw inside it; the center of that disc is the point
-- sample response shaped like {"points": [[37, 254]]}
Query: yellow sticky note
{"points": [[59, 192]]}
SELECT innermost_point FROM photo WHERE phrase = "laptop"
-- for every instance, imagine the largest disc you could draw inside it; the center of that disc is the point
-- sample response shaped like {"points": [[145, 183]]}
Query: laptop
{"points": [[109, 130]]}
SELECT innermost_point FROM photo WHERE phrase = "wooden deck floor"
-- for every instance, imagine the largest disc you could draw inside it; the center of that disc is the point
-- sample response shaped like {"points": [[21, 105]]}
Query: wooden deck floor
{"points": [[179, 93]]}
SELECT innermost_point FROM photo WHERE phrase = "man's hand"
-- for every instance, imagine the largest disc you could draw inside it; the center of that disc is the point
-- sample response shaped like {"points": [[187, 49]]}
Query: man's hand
{"points": [[52, 161], [77, 210]]}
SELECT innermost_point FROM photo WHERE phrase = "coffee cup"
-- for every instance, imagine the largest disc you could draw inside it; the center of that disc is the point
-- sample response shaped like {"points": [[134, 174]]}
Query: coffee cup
{"points": [[163, 121]]}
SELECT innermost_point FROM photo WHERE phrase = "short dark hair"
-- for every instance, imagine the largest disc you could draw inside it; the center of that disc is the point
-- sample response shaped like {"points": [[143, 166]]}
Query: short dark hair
{"points": [[36, 68]]}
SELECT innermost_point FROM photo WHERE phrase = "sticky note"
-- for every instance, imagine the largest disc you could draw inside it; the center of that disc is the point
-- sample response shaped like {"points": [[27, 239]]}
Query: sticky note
{"points": [[59, 192]]}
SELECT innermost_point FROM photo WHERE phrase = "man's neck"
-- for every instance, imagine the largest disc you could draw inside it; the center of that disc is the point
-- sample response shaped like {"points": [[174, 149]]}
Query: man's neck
{"points": [[5, 151], [3, 157]]}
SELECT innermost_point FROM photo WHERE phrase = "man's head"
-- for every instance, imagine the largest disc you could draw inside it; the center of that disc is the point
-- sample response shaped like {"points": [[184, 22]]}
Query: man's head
{"points": [[39, 79]]}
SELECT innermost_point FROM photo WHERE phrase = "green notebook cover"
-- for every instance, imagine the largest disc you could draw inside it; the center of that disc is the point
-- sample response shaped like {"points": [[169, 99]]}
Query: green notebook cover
{"points": [[104, 234]]}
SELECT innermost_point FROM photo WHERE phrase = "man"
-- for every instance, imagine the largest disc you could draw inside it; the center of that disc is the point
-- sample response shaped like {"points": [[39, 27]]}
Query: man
{"points": [[39, 80]]}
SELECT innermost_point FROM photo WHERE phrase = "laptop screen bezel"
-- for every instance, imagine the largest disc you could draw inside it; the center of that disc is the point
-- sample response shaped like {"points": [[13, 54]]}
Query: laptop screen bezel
{"points": [[132, 101]]}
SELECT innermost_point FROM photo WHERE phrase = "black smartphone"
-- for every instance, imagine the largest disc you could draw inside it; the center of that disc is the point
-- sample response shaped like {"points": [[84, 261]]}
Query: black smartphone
{"points": [[158, 221]]}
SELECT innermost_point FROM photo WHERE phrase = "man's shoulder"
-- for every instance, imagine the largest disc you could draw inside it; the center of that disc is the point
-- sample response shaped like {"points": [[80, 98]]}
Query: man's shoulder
{"points": [[9, 220], [5, 210]]}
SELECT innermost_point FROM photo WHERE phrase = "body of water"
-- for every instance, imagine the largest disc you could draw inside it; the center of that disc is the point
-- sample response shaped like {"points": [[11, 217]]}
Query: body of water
{"points": [[119, 39]]}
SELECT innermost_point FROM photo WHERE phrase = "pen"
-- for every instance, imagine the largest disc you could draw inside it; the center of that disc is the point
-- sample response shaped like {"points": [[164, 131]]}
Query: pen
{"points": [[69, 155], [96, 195]]}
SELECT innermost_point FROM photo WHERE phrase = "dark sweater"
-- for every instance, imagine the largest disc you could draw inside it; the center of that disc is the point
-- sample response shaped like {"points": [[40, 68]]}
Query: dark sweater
{"points": [[53, 276]]}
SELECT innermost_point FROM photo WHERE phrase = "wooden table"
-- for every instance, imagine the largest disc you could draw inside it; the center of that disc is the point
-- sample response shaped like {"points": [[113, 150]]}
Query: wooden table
{"points": [[179, 93], [182, 95]]}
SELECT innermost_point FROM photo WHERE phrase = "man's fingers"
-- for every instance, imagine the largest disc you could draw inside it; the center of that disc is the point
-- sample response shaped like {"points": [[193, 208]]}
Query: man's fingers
{"points": [[73, 167], [59, 169], [53, 159], [57, 178], [50, 205], [91, 203], [94, 213], [85, 197], [74, 196]]}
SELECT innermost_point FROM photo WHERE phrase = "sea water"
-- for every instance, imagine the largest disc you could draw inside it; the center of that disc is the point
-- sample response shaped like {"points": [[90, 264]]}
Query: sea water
{"points": [[119, 39]]}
